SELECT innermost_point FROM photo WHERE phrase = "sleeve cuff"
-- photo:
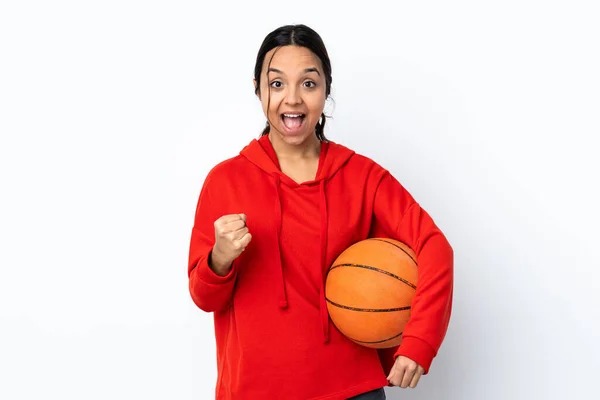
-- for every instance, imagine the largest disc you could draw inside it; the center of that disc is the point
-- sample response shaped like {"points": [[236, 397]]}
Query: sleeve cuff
{"points": [[417, 350], [206, 274]]}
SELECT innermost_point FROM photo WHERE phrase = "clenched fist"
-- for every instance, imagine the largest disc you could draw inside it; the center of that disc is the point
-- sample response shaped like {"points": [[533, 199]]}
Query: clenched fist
{"points": [[231, 238]]}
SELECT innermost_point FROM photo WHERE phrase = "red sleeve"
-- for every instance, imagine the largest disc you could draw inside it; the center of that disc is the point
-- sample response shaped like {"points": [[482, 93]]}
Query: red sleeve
{"points": [[397, 215], [209, 291]]}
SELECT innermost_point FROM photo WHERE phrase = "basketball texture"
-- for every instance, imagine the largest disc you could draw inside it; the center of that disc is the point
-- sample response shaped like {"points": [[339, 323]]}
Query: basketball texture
{"points": [[369, 289]]}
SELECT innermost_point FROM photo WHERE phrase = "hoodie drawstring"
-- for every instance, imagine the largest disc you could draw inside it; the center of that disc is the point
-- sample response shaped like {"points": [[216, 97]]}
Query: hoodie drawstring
{"points": [[324, 227], [283, 303]]}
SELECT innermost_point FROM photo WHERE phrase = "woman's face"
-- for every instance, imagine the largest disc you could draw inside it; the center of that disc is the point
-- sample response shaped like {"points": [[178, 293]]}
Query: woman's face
{"points": [[295, 83]]}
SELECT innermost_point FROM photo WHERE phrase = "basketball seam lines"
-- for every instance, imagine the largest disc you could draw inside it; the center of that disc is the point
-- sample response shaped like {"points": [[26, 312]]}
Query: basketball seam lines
{"points": [[377, 270], [368, 309], [376, 341], [395, 245]]}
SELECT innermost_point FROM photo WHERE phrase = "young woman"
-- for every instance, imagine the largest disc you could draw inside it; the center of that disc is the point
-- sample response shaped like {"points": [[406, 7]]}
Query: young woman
{"points": [[269, 223]]}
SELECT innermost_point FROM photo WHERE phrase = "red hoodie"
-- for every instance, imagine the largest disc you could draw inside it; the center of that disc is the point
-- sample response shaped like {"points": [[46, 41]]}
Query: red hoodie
{"points": [[273, 333]]}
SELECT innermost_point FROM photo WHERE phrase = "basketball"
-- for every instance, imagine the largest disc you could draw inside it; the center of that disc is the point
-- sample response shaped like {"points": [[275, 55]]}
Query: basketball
{"points": [[369, 289]]}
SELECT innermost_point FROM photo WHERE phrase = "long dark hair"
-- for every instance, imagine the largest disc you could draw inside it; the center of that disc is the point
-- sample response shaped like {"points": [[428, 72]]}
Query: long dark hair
{"points": [[298, 35]]}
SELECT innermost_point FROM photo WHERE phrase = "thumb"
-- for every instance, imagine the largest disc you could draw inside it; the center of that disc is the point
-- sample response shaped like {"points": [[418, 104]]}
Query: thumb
{"points": [[243, 217]]}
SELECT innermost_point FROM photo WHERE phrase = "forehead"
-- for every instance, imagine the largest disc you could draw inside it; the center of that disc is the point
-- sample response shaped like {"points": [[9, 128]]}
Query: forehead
{"points": [[292, 59]]}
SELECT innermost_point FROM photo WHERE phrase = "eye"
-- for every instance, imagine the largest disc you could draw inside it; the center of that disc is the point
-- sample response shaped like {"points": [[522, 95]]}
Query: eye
{"points": [[310, 84], [276, 84]]}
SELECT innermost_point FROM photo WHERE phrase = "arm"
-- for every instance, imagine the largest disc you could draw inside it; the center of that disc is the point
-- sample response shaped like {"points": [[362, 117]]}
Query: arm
{"points": [[209, 291], [397, 215]]}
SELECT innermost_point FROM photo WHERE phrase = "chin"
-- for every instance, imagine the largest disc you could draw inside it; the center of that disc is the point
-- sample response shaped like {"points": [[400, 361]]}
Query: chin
{"points": [[294, 139]]}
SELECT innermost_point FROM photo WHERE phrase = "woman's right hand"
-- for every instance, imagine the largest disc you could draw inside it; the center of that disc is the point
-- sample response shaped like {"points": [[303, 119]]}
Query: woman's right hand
{"points": [[231, 238]]}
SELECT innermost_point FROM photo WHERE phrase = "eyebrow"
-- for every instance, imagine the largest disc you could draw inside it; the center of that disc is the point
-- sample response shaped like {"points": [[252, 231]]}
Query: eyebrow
{"points": [[306, 70]]}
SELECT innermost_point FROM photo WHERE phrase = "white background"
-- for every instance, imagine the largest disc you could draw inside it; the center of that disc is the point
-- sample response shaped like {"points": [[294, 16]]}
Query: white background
{"points": [[112, 113]]}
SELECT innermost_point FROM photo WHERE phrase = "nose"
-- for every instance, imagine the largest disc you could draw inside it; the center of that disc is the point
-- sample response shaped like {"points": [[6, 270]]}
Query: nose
{"points": [[293, 96]]}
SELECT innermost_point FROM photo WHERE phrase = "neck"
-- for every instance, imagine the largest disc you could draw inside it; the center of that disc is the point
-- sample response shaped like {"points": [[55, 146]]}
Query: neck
{"points": [[310, 148]]}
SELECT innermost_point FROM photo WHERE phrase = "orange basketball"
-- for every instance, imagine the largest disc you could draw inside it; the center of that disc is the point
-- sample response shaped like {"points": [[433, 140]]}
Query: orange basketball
{"points": [[369, 290]]}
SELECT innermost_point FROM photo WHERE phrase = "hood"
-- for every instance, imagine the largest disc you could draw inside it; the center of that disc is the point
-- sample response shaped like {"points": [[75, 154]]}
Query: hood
{"points": [[332, 158]]}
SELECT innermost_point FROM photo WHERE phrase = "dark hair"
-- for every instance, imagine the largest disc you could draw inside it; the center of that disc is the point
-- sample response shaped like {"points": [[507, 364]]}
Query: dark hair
{"points": [[298, 35]]}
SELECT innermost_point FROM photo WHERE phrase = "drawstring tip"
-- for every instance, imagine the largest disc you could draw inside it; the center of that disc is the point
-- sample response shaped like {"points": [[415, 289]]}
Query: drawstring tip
{"points": [[283, 304]]}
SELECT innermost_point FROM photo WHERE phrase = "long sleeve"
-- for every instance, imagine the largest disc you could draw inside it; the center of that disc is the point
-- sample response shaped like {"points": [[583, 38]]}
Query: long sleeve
{"points": [[397, 215], [209, 291]]}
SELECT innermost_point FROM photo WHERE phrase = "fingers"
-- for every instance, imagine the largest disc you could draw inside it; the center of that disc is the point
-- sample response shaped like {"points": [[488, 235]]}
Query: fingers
{"points": [[405, 373], [245, 240], [397, 373], [235, 226], [395, 377], [232, 235], [237, 236], [415, 379], [225, 219], [409, 374], [230, 223], [391, 375], [236, 223]]}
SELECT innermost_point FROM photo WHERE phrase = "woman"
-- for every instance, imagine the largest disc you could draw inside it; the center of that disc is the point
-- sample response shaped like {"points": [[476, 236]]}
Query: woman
{"points": [[269, 223]]}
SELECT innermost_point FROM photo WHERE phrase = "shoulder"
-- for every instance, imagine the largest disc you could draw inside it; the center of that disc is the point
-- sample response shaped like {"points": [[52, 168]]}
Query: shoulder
{"points": [[361, 164], [226, 167], [220, 175]]}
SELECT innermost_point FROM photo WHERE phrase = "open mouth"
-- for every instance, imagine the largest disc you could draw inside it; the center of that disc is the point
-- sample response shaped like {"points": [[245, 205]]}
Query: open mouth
{"points": [[293, 121]]}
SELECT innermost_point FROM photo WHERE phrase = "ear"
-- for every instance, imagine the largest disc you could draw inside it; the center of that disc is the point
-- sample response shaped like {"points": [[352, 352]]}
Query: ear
{"points": [[256, 89]]}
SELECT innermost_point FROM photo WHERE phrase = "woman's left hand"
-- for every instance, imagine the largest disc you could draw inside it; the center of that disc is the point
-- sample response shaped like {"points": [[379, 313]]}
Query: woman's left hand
{"points": [[405, 373]]}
